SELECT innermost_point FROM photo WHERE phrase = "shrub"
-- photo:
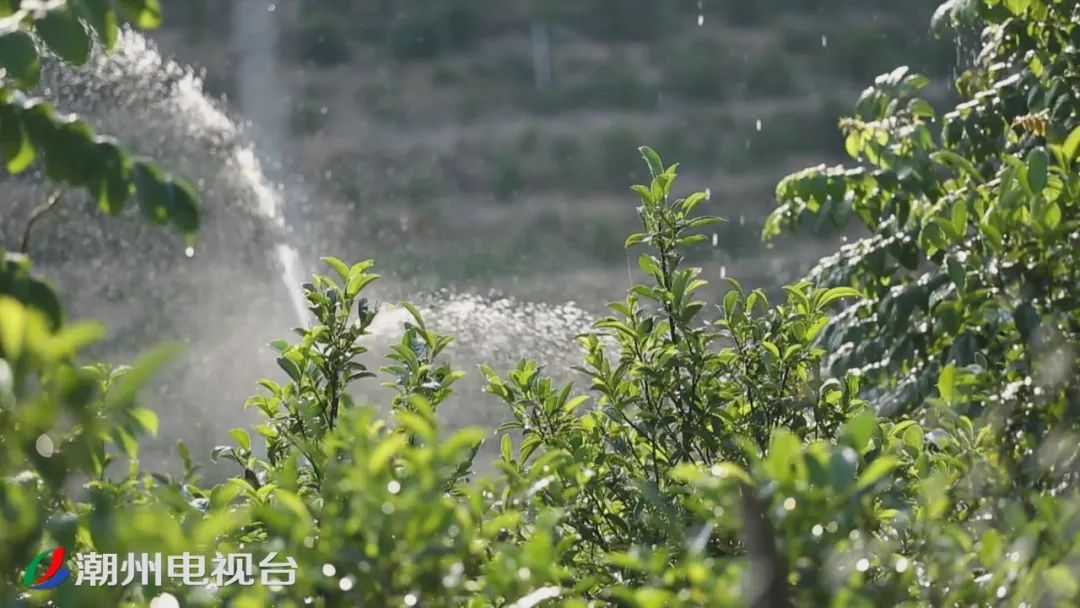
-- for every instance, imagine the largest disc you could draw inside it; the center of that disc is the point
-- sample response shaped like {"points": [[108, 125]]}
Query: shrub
{"points": [[423, 31], [770, 74], [507, 176], [699, 69], [620, 19], [323, 41], [615, 85], [899, 429]]}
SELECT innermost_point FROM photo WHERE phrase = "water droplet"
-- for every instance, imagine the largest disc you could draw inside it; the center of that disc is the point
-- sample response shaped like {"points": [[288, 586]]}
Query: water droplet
{"points": [[700, 20], [758, 125], [862, 565], [902, 565], [789, 503], [190, 252], [817, 530], [723, 272], [44, 446], [165, 600], [824, 41], [393, 487], [329, 570], [410, 599], [346, 583]]}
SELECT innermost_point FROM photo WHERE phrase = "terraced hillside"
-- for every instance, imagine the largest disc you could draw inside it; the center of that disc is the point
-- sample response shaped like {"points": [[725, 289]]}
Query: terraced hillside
{"points": [[476, 143]]}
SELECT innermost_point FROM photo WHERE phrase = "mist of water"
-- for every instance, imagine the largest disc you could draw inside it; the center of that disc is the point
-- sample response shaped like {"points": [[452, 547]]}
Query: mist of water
{"points": [[238, 287]]}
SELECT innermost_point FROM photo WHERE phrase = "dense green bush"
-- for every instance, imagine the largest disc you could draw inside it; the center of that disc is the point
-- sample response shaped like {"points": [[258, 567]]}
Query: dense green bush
{"points": [[900, 430]]}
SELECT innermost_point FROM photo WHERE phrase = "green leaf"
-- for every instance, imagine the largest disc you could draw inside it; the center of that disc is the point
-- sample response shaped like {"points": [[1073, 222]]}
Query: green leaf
{"points": [[39, 121], [147, 418], [290, 368], [913, 437], [380, 458], [877, 469], [17, 149], [959, 218], [341, 268], [656, 166], [145, 14], [1017, 7], [1051, 217], [183, 207], [921, 108], [853, 144], [991, 547], [102, 17], [1038, 162], [730, 470], [122, 392], [65, 35], [242, 438], [152, 191], [648, 264], [842, 466], [957, 273], [111, 184], [785, 451], [1071, 145], [506, 448], [837, 293], [947, 383], [69, 153], [952, 159], [184, 451], [1027, 320], [635, 239], [859, 429], [19, 58]]}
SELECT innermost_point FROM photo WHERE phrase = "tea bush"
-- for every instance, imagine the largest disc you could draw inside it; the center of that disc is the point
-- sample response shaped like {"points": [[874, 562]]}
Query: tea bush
{"points": [[899, 430]]}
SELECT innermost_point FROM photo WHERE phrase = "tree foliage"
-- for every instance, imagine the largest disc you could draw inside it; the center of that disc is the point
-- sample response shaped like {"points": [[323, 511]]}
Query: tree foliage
{"points": [[900, 430]]}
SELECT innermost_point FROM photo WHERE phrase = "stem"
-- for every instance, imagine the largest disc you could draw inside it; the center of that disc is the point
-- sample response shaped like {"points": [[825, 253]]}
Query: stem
{"points": [[50, 204], [767, 566], [334, 398]]}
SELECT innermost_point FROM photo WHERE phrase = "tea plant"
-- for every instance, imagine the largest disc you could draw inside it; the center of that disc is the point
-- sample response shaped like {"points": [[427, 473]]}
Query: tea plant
{"points": [[899, 431]]}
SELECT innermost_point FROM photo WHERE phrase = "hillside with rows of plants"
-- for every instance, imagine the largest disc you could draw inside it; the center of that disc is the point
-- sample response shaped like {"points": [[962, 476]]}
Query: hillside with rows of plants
{"points": [[516, 122], [898, 428]]}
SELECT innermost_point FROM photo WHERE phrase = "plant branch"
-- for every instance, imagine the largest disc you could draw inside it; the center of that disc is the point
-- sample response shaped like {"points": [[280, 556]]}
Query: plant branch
{"points": [[49, 205]]}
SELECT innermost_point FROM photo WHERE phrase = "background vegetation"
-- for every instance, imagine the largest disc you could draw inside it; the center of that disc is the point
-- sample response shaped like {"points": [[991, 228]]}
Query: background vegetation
{"points": [[899, 429], [443, 138]]}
